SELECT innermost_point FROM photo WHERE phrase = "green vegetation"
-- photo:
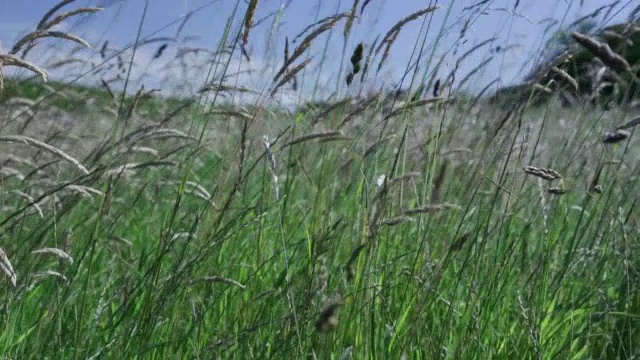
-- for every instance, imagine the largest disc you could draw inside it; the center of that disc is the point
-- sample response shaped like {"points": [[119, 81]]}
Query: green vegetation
{"points": [[415, 227]]}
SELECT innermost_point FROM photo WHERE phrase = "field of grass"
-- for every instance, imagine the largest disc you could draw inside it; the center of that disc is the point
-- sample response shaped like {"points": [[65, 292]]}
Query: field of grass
{"points": [[136, 226]]}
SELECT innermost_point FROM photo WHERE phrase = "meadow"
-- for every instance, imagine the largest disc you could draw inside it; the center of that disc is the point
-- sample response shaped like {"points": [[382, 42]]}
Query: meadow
{"points": [[419, 224]]}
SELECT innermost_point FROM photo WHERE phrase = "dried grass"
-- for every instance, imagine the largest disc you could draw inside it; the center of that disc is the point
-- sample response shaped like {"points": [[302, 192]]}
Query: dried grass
{"points": [[431, 209], [52, 11], [7, 268], [290, 74], [44, 146], [249, 21], [327, 24], [12, 60], [615, 136], [566, 76], [32, 202], [60, 18], [391, 35], [543, 173], [43, 34], [85, 190], [314, 136], [603, 52], [62, 255], [49, 273], [349, 24], [397, 220]]}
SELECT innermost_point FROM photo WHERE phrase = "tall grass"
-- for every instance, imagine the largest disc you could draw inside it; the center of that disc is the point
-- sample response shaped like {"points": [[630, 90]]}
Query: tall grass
{"points": [[422, 224]]}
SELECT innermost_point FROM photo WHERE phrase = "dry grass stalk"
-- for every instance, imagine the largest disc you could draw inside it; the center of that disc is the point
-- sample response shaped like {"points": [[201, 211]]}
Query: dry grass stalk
{"points": [[192, 188], [368, 59], [85, 190], [396, 220], [46, 33], [387, 49], [233, 113], [44, 146], [543, 173], [144, 150], [603, 52], [418, 103], [391, 35], [594, 183], [314, 136], [290, 74], [398, 26], [330, 108], [32, 201], [52, 11], [164, 133], [328, 318], [472, 50], [542, 88], [7, 268], [374, 147], [62, 255], [556, 191], [300, 49], [60, 18], [120, 239], [273, 165], [286, 50], [227, 88], [69, 61], [318, 23], [431, 209], [336, 138], [20, 160], [350, 19], [361, 107], [8, 172], [364, 5], [349, 24], [49, 273], [12, 60], [566, 76], [629, 124], [108, 88], [615, 136]]}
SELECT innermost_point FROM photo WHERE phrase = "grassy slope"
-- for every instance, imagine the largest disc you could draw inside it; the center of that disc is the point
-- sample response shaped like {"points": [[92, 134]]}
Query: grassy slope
{"points": [[537, 274], [190, 240]]}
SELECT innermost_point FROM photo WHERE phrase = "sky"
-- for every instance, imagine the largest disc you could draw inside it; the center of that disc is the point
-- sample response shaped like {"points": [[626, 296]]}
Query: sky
{"points": [[518, 34]]}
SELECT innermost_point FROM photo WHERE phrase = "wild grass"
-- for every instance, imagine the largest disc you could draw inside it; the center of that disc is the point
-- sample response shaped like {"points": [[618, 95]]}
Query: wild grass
{"points": [[421, 225]]}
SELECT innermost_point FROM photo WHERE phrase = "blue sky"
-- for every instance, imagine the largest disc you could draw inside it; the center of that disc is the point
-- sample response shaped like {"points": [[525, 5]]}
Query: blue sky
{"points": [[520, 31]]}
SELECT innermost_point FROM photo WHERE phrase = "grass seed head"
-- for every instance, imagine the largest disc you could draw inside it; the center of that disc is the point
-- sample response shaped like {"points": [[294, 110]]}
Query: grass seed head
{"points": [[546, 174], [556, 191], [615, 136], [603, 52], [7, 268], [328, 318]]}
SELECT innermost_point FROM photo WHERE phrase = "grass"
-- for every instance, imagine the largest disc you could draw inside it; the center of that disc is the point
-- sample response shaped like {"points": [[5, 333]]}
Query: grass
{"points": [[359, 231]]}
